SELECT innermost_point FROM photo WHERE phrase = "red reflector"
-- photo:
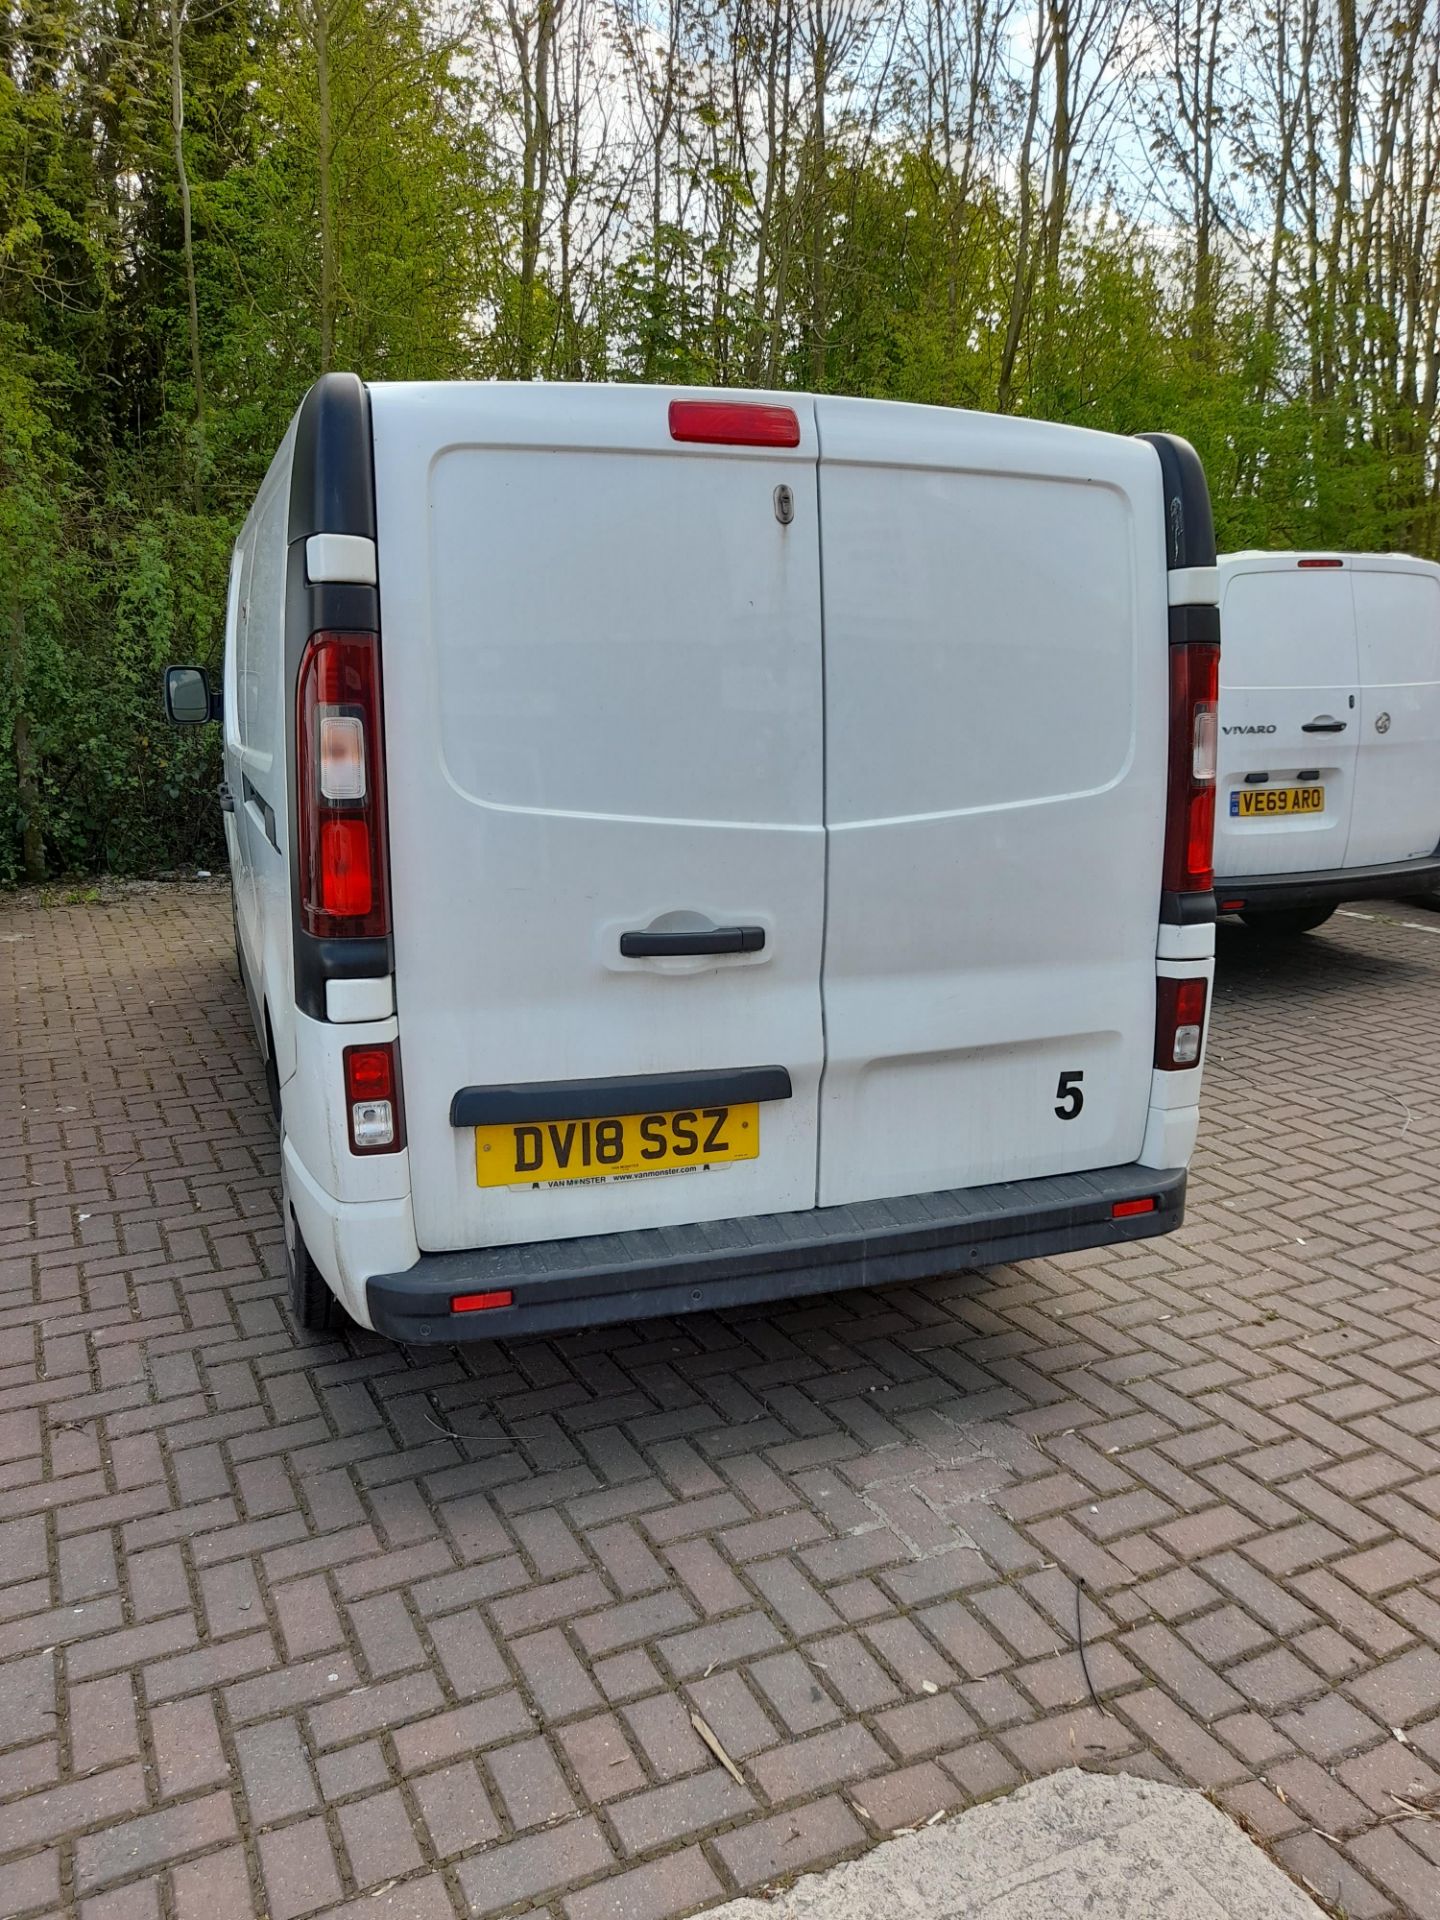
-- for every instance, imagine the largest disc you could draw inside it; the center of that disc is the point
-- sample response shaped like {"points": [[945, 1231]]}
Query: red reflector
{"points": [[1123, 1209], [1319, 563], [345, 878], [480, 1302], [734, 423], [1229, 906]]}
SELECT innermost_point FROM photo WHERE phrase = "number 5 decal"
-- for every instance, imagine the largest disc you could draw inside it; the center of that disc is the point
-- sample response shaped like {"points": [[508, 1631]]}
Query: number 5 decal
{"points": [[1069, 1096]]}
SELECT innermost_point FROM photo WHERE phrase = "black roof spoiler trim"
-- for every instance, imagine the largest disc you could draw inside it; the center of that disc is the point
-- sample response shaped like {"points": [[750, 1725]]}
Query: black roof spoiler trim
{"points": [[1189, 524], [332, 484]]}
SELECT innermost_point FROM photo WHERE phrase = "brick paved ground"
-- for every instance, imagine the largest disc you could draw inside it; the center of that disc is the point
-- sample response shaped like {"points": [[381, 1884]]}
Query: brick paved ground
{"points": [[286, 1628]]}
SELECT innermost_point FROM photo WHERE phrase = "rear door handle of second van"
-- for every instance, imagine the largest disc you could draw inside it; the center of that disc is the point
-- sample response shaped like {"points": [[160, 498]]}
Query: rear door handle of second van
{"points": [[1322, 723], [654, 946]]}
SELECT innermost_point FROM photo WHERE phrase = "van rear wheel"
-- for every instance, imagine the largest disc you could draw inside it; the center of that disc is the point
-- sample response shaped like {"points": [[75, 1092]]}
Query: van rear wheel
{"points": [[1286, 920], [314, 1306]]}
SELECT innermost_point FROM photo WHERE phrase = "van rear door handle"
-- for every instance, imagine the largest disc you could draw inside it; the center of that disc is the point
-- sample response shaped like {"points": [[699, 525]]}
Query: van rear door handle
{"points": [[1322, 723], [654, 946], [227, 798]]}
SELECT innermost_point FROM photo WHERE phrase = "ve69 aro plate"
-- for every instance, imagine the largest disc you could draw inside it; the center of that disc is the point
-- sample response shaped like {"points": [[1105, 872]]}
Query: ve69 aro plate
{"points": [[1262, 803]]}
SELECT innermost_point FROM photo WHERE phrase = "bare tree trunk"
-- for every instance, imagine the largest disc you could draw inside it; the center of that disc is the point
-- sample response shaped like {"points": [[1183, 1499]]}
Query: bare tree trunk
{"points": [[27, 786], [770, 268], [320, 15], [819, 199], [1060, 142], [534, 74], [1022, 280], [177, 128]]}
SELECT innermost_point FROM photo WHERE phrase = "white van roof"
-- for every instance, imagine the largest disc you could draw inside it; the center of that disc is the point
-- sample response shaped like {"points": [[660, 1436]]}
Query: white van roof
{"points": [[1266, 560]]}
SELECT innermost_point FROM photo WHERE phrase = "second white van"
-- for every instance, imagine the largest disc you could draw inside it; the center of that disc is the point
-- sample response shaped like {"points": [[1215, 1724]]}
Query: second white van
{"points": [[694, 848], [1329, 734]]}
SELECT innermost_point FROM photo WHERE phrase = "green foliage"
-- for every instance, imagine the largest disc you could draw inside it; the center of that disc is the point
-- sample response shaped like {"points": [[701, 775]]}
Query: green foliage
{"points": [[369, 190]]}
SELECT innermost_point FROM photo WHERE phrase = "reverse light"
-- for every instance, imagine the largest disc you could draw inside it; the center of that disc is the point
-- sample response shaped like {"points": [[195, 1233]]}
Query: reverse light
{"points": [[1179, 1022], [734, 423], [481, 1302], [1194, 737], [342, 756], [340, 792], [372, 1098]]}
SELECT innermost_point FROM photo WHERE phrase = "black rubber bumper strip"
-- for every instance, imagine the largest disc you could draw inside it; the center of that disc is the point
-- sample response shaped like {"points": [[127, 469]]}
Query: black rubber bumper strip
{"points": [[1336, 884], [626, 1093], [603, 1278]]}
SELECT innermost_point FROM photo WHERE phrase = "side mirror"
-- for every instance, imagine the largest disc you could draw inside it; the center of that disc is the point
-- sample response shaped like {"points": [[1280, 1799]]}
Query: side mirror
{"points": [[188, 699]]}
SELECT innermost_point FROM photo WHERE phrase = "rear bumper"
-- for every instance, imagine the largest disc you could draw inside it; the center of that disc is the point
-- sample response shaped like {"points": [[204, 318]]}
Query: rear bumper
{"points": [[1334, 884], [564, 1284]]}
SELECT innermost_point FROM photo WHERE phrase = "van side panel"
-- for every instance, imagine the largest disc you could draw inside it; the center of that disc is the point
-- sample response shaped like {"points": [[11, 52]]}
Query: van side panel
{"points": [[996, 685], [1288, 662], [1397, 782], [255, 749], [602, 687], [262, 795], [242, 880]]}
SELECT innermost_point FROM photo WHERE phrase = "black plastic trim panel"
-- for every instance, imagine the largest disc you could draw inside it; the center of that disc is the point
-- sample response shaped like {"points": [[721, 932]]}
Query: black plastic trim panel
{"points": [[332, 486], [1396, 878], [262, 806], [1187, 909], [332, 490], [626, 1093], [605, 1278], [1198, 624], [1189, 524]]}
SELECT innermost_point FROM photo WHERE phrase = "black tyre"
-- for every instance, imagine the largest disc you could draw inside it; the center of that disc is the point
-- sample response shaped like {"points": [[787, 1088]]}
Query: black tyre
{"points": [[1286, 920], [314, 1306]]}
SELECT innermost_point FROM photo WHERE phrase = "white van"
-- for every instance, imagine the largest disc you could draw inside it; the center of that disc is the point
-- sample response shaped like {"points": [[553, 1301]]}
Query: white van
{"points": [[691, 849], [1329, 734]]}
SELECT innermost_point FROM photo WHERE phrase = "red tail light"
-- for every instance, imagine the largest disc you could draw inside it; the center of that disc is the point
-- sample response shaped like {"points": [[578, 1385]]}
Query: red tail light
{"points": [[1179, 1023], [373, 1110], [340, 773], [1194, 732], [734, 423]]}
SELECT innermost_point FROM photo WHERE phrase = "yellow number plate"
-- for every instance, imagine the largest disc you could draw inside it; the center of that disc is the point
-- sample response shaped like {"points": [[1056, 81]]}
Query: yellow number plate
{"points": [[1257, 803], [543, 1151]]}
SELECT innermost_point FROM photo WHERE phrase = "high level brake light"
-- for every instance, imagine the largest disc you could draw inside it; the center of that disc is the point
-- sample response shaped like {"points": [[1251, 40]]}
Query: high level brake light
{"points": [[734, 423], [344, 867], [1194, 732]]}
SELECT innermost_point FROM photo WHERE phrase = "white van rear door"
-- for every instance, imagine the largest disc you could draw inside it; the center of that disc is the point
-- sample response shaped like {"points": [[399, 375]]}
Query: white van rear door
{"points": [[1397, 778], [602, 686], [1288, 717], [996, 678]]}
